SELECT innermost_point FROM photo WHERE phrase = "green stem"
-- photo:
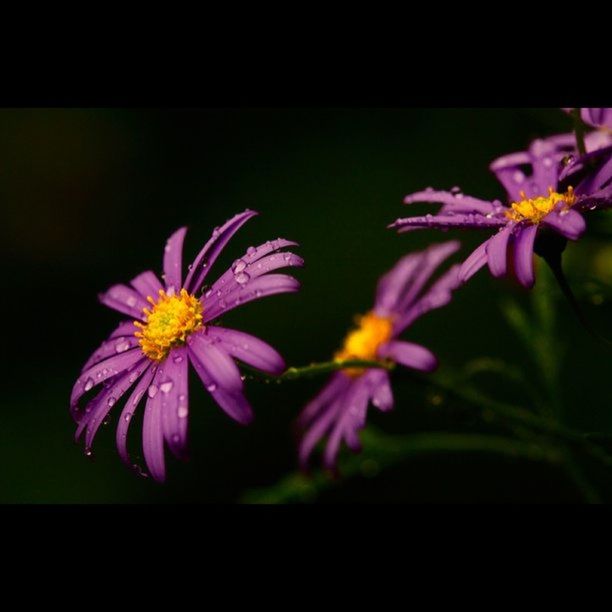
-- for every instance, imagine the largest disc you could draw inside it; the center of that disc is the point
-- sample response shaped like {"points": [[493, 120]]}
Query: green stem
{"points": [[316, 369], [579, 131]]}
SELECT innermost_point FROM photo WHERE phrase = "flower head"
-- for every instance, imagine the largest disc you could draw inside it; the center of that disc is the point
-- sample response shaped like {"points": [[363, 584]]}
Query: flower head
{"points": [[170, 326], [545, 191], [403, 294]]}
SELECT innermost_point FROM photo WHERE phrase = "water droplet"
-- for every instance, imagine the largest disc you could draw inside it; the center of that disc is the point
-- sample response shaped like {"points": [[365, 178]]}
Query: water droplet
{"points": [[88, 384], [238, 266], [242, 278], [212, 387], [208, 293], [128, 416], [518, 177], [122, 346], [131, 301], [287, 256], [182, 412], [166, 387], [178, 359], [111, 402], [88, 452], [251, 250], [152, 391]]}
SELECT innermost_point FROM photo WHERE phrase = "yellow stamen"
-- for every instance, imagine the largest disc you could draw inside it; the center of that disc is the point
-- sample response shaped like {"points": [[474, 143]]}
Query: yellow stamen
{"points": [[363, 342], [535, 209], [168, 323]]}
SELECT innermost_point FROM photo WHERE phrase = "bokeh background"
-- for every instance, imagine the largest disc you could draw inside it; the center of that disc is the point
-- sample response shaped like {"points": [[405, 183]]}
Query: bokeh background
{"points": [[89, 197]]}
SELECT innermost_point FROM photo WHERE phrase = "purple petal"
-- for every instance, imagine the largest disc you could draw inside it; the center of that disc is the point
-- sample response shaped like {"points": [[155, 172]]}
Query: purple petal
{"points": [[457, 202], [473, 263], [125, 300], [119, 341], [102, 371], [248, 349], [382, 396], [147, 284], [568, 223], [152, 431], [597, 117], [523, 255], [129, 410], [497, 252], [216, 361], [233, 403], [173, 389], [319, 427], [269, 284], [399, 287], [460, 221], [242, 272], [96, 412], [173, 259], [438, 295], [335, 386], [212, 249], [410, 355]]}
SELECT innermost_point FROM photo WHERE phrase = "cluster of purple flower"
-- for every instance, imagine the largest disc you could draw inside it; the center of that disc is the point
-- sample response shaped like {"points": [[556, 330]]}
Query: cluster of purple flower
{"points": [[549, 188]]}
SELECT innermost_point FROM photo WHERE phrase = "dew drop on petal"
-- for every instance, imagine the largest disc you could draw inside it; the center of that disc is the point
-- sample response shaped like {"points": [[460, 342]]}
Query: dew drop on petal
{"points": [[111, 402], [211, 388], [152, 391], [122, 346], [88, 384], [128, 416], [242, 278], [166, 387], [238, 266], [251, 250], [178, 359], [131, 301], [182, 412]]}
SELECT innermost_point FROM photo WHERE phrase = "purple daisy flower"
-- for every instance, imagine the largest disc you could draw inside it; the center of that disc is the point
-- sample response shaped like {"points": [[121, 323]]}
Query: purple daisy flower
{"points": [[339, 411], [170, 325], [539, 198], [595, 117]]}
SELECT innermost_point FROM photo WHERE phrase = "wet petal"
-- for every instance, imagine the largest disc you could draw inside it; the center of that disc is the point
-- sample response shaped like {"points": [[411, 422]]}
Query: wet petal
{"points": [[173, 258]]}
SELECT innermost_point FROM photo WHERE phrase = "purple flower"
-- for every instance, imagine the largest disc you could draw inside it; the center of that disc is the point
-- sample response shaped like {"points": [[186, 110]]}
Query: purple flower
{"points": [[403, 295], [170, 325], [540, 196], [595, 117]]}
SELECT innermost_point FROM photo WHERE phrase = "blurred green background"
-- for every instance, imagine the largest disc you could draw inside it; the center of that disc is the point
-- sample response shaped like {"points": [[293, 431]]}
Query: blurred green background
{"points": [[90, 196]]}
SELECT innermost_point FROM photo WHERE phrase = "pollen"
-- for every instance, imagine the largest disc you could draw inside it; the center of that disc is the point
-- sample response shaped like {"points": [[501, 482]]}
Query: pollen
{"points": [[535, 209], [363, 342], [168, 323]]}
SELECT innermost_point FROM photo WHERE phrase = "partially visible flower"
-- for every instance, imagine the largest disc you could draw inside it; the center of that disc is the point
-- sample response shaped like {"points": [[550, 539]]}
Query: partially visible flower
{"points": [[595, 117], [170, 325], [537, 200], [403, 295]]}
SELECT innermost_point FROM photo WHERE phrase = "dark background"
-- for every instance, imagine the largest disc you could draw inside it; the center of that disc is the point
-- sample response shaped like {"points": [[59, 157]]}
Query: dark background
{"points": [[89, 197]]}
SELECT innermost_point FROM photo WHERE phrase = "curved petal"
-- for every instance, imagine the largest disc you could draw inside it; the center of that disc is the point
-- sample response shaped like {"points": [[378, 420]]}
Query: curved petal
{"points": [[147, 284], [458, 202], [173, 259], [473, 263], [173, 389], [217, 362], [241, 273], [121, 340], [152, 431], [568, 223], [269, 284], [438, 295], [102, 371], [448, 221], [248, 349], [523, 255], [410, 355], [212, 249], [128, 412], [125, 300], [382, 395], [337, 383], [399, 287], [497, 252], [320, 427], [96, 412], [233, 403]]}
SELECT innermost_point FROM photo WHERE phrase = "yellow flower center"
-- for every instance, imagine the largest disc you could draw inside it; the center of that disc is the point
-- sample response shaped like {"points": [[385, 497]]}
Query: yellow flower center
{"points": [[535, 209], [363, 342], [167, 325]]}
